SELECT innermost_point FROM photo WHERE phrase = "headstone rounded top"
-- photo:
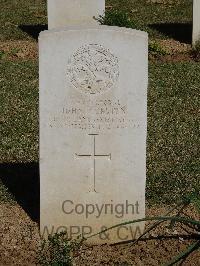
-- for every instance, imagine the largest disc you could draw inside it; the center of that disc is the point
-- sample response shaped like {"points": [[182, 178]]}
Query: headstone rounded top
{"points": [[101, 28]]}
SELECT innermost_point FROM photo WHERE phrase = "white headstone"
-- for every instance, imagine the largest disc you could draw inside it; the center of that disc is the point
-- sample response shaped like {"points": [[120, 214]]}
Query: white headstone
{"points": [[62, 13], [93, 124], [196, 21]]}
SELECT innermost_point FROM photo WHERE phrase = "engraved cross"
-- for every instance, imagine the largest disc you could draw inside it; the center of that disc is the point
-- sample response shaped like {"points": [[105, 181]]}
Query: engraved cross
{"points": [[93, 156]]}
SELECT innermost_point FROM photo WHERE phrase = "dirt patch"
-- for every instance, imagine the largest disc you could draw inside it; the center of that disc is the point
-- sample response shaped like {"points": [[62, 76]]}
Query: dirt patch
{"points": [[174, 58], [155, 249], [175, 52], [149, 253], [172, 46], [12, 50], [20, 240]]}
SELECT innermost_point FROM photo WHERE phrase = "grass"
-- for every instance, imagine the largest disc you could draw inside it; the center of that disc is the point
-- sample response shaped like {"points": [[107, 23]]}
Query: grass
{"points": [[19, 115], [150, 12], [145, 13], [19, 111], [117, 18], [172, 161], [14, 14], [173, 96], [58, 250]]}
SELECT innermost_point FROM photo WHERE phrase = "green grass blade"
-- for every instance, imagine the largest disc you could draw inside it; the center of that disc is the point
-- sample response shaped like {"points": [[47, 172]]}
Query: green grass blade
{"points": [[176, 219], [184, 254], [158, 223]]}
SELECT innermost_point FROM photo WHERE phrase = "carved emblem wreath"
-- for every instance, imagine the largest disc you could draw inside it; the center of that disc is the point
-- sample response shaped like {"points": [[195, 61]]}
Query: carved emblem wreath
{"points": [[93, 69]]}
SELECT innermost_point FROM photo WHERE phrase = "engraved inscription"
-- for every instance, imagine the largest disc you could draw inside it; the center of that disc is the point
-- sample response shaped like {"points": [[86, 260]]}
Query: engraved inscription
{"points": [[96, 115], [94, 156], [93, 69]]}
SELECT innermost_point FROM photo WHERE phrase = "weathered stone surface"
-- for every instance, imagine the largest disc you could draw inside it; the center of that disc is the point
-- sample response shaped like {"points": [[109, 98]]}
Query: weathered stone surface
{"points": [[93, 124], [62, 13]]}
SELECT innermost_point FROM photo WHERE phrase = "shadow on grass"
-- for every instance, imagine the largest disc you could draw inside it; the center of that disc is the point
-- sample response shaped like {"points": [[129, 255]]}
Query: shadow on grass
{"points": [[181, 32], [33, 30], [22, 180]]}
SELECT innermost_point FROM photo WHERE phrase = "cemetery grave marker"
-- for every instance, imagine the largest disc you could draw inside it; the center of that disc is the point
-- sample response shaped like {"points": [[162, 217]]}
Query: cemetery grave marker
{"points": [[62, 13], [93, 124]]}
